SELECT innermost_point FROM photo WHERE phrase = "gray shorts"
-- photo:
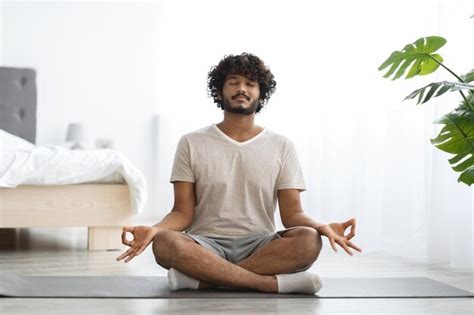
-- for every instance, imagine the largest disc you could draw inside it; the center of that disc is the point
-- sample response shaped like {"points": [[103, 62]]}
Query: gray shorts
{"points": [[236, 249]]}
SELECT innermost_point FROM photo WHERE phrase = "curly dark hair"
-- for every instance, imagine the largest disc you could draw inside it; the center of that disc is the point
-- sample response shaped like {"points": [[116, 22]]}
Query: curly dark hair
{"points": [[247, 65]]}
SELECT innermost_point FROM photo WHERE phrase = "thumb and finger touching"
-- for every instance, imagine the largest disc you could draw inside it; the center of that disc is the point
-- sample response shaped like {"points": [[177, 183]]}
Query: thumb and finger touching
{"points": [[124, 238], [350, 223], [137, 245]]}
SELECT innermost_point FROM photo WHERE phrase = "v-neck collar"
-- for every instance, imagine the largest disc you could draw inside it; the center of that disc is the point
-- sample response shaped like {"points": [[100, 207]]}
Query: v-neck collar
{"points": [[226, 137]]}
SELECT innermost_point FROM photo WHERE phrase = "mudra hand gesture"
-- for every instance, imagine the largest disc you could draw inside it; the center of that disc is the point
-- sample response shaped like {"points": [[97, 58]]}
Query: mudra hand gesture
{"points": [[142, 237], [335, 233]]}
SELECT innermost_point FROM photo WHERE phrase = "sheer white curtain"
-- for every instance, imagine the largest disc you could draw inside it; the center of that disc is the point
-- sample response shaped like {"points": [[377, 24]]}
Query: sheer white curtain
{"points": [[364, 152]]}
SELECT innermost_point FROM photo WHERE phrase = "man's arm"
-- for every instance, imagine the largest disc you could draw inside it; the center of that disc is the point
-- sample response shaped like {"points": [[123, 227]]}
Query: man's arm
{"points": [[291, 211], [292, 214], [180, 218], [182, 214]]}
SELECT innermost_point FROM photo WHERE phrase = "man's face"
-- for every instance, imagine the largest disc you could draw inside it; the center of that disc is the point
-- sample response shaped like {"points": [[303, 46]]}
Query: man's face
{"points": [[240, 95]]}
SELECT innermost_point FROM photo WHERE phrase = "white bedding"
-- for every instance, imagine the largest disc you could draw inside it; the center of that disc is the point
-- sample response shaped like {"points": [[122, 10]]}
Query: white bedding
{"points": [[23, 163]]}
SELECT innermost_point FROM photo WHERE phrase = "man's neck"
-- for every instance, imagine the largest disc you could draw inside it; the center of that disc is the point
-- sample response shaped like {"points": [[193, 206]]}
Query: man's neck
{"points": [[239, 126]]}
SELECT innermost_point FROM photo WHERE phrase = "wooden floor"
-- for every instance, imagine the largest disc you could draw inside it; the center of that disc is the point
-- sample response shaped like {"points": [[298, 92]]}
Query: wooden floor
{"points": [[42, 253]]}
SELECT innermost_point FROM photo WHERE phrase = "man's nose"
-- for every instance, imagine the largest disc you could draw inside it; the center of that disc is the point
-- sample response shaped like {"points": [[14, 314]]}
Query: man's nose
{"points": [[241, 89]]}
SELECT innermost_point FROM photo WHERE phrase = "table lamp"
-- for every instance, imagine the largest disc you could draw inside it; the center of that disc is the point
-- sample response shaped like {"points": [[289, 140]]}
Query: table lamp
{"points": [[76, 135]]}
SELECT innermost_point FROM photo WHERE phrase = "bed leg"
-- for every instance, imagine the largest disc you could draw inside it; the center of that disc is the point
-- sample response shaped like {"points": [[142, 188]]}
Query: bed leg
{"points": [[104, 238]]}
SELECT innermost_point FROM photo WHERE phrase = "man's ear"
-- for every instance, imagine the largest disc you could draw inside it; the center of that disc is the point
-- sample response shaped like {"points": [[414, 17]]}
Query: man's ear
{"points": [[219, 96]]}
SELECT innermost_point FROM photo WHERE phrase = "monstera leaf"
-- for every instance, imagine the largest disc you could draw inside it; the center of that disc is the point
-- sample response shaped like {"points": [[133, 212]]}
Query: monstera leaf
{"points": [[457, 137], [419, 55], [468, 77], [441, 87], [463, 104]]}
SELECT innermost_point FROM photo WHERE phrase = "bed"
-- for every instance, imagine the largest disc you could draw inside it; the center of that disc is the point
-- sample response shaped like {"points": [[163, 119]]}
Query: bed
{"points": [[101, 207]]}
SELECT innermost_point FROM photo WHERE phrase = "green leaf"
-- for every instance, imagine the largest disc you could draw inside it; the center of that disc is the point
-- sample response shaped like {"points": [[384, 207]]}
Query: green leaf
{"points": [[442, 87], [467, 177], [468, 77], [457, 137], [463, 104], [417, 58]]}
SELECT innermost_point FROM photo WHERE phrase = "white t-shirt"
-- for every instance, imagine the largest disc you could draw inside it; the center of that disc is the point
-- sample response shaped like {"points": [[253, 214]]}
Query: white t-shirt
{"points": [[236, 182]]}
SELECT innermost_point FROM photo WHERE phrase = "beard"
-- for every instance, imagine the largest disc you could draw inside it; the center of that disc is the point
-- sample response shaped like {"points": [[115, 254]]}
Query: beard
{"points": [[239, 109]]}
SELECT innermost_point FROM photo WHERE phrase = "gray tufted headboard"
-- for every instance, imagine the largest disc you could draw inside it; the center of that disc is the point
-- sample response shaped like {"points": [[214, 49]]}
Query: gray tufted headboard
{"points": [[18, 102]]}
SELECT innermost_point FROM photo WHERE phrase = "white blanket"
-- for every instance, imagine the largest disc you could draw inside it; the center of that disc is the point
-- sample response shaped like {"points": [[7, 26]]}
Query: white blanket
{"points": [[23, 163]]}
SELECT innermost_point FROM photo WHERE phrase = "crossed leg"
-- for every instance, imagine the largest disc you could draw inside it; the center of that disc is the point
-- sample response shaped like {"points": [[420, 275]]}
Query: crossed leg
{"points": [[298, 247]]}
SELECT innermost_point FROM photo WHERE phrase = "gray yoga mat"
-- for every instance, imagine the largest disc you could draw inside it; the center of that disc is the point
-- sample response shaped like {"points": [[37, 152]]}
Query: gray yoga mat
{"points": [[13, 285]]}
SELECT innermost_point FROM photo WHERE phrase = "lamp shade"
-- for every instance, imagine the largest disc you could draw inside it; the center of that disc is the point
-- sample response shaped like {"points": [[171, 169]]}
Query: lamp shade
{"points": [[75, 133]]}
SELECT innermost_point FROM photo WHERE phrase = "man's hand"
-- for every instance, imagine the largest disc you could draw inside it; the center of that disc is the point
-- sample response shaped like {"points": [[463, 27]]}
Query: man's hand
{"points": [[340, 228], [335, 233], [142, 237]]}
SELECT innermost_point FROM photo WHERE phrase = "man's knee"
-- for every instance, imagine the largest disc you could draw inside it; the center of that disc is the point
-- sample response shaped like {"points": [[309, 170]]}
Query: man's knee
{"points": [[166, 245], [308, 245]]}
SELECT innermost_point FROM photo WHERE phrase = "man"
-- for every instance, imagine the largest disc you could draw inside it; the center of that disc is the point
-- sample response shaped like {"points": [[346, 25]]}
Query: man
{"points": [[227, 179]]}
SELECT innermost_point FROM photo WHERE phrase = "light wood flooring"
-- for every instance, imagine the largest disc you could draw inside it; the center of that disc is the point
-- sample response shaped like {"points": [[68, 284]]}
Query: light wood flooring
{"points": [[43, 252]]}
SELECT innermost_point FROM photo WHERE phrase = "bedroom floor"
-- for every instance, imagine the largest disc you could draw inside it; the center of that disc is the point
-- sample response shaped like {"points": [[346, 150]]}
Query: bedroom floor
{"points": [[41, 252]]}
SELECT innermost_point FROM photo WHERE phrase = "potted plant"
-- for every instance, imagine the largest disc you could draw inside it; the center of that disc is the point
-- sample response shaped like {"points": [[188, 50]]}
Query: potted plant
{"points": [[457, 135]]}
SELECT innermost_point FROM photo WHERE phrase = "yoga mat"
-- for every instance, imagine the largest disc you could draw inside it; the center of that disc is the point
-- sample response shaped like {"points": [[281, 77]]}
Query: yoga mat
{"points": [[13, 285]]}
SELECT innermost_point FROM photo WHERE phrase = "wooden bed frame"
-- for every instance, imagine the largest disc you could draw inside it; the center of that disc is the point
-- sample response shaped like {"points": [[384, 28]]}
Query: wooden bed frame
{"points": [[103, 208]]}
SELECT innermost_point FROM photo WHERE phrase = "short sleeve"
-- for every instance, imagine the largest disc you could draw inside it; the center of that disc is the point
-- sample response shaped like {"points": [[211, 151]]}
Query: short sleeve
{"points": [[182, 169], [291, 176]]}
